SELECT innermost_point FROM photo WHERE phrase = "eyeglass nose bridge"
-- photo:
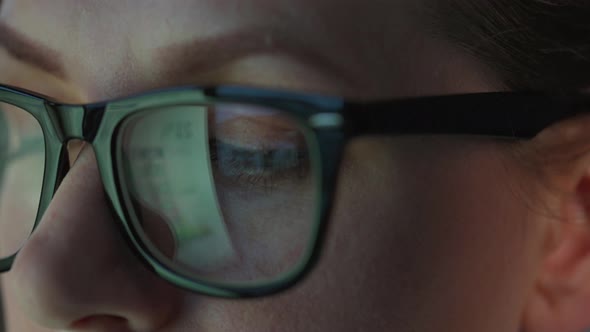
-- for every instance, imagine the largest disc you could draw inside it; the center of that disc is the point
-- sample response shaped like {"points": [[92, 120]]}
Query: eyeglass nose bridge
{"points": [[76, 121]]}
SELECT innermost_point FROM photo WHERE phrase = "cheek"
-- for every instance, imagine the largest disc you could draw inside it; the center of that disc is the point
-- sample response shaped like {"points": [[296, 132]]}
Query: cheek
{"points": [[429, 235], [14, 317], [440, 231]]}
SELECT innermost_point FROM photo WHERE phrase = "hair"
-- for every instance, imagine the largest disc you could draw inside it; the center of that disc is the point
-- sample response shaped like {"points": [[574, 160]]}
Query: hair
{"points": [[531, 44]]}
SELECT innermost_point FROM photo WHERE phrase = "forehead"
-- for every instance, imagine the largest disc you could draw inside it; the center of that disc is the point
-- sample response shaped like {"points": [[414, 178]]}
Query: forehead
{"points": [[168, 18], [108, 43]]}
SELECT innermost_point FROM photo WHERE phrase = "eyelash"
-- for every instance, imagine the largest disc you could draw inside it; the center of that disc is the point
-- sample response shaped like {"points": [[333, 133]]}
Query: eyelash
{"points": [[267, 176]]}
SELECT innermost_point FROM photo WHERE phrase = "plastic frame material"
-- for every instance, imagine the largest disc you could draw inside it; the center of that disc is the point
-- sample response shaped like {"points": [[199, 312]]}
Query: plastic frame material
{"points": [[333, 120]]}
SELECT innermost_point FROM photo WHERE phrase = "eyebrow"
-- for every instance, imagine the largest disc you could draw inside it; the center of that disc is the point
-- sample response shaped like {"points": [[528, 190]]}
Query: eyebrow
{"points": [[30, 52], [179, 58]]}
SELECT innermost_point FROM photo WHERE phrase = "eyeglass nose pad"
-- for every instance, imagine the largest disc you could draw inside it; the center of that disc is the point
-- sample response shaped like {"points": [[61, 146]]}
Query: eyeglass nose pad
{"points": [[74, 147], [68, 155]]}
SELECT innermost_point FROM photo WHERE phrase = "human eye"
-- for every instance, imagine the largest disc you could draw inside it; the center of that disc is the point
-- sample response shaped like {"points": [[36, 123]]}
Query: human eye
{"points": [[256, 149], [264, 166]]}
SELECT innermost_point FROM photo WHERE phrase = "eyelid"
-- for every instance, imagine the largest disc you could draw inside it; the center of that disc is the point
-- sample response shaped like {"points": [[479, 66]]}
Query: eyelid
{"points": [[269, 117], [253, 125], [276, 71]]}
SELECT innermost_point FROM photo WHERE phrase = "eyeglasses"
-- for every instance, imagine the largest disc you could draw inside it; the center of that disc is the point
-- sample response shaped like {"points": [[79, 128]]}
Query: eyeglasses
{"points": [[226, 190]]}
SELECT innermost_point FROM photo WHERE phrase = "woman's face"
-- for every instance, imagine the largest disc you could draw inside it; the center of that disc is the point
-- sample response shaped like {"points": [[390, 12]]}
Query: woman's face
{"points": [[428, 233]]}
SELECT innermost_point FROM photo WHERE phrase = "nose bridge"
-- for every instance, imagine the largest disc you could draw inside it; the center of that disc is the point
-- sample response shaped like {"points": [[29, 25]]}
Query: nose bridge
{"points": [[78, 121]]}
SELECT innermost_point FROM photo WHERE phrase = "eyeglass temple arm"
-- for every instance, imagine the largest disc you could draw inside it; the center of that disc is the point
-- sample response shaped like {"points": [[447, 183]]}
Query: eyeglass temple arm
{"points": [[502, 114]]}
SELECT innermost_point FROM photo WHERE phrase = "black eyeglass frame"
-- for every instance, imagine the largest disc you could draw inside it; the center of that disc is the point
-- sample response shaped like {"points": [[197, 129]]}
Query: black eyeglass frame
{"points": [[333, 120]]}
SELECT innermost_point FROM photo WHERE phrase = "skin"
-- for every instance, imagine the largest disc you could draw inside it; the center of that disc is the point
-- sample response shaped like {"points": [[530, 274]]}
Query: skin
{"points": [[414, 242]]}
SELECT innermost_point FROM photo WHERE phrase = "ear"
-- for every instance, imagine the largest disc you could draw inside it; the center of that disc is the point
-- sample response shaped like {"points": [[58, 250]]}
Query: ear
{"points": [[560, 300]]}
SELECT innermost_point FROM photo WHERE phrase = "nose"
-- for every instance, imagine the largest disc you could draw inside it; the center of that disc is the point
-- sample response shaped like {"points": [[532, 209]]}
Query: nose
{"points": [[77, 272]]}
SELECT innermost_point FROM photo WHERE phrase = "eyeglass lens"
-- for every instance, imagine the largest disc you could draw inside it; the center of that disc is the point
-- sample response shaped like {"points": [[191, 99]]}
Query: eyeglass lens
{"points": [[225, 193], [22, 163]]}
